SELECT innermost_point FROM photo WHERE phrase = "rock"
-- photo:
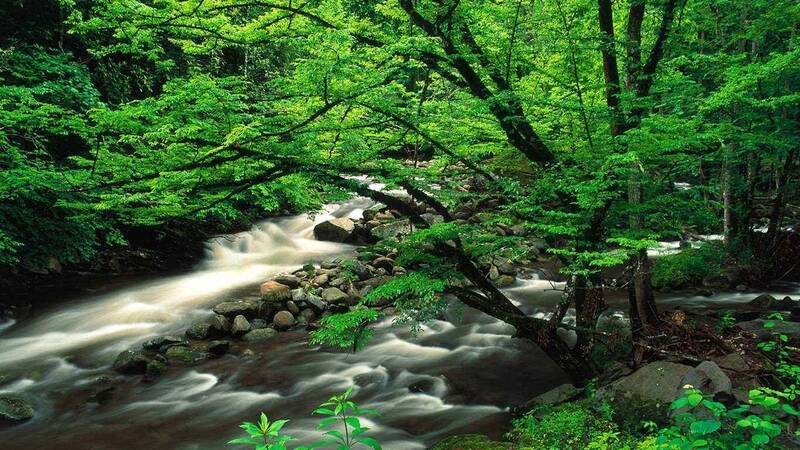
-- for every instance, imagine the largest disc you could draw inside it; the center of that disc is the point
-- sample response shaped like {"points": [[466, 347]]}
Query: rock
{"points": [[200, 331], [471, 442], [335, 230], [292, 307], [493, 273], [336, 282], [383, 263], [14, 409], [288, 280], [372, 211], [504, 266], [298, 295], [284, 320], [220, 324], [262, 334], [316, 303], [320, 280], [554, 396], [763, 301], [334, 295], [391, 229], [240, 326], [181, 354], [330, 263], [734, 362], [154, 369], [709, 378], [307, 314], [398, 270], [161, 343], [219, 348], [256, 324], [432, 219], [659, 381], [247, 308], [131, 362], [360, 270], [704, 293], [741, 287], [272, 291], [505, 280], [790, 329]]}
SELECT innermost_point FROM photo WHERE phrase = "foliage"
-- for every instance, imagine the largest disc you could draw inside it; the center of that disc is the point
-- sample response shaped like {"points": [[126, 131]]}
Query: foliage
{"points": [[689, 266], [349, 330], [571, 425], [703, 423], [341, 412]]}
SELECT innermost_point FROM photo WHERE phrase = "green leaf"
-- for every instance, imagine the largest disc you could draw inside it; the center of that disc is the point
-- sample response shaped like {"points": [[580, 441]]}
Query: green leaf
{"points": [[705, 426], [370, 442], [694, 399], [759, 439]]}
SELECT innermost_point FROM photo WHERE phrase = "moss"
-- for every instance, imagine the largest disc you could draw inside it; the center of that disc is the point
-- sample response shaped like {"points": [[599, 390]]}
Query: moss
{"points": [[471, 442], [690, 266]]}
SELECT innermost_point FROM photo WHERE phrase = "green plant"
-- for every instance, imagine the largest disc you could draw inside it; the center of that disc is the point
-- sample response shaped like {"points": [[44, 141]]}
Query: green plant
{"points": [[341, 411], [264, 435], [689, 266], [726, 322], [706, 424]]}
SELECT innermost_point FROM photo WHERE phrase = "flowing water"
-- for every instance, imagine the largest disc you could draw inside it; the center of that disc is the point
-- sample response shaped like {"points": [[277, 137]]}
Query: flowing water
{"points": [[458, 374]]}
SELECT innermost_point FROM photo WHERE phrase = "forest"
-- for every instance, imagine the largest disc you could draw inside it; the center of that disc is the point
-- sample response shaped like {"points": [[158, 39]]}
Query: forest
{"points": [[400, 224]]}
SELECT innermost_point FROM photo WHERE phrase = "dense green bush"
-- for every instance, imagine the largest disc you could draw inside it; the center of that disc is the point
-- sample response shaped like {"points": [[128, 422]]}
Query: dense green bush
{"points": [[578, 425], [690, 266]]}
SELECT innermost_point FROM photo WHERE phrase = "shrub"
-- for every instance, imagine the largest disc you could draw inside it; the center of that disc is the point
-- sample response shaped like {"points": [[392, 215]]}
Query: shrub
{"points": [[342, 423], [690, 266]]}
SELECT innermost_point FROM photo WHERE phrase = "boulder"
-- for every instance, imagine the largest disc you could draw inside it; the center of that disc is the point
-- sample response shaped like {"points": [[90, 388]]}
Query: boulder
{"points": [[275, 292], [658, 381], [734, 362], [162, 343], [298, 295], [391, 229], [505, 280], [262, 334], [554, 396], [790, 329], [220, 324], [384, 263], [292, 307], [335, 230], [316, 303], [307, 314], [200, 331], [432, 219], [182, 354], [709, 378], [14, 409], [154, 369], [288, 280], [334, 295], [255, 324], [763, 301], [360, 270], [284, 320], [247, 308], [240, 326], [131, 362], [219, 348], [320, 280]]}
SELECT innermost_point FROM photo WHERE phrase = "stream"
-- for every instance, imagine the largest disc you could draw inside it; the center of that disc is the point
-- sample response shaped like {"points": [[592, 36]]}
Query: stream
{"points": [[460, 374]]}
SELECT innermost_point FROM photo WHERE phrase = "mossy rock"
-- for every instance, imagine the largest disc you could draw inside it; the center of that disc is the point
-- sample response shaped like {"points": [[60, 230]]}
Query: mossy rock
{"points": [[471, 442]]}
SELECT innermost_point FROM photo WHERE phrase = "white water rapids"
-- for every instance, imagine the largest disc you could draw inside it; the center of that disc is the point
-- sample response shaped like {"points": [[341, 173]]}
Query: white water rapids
{"points": [[457, 375], [461, 374]]}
